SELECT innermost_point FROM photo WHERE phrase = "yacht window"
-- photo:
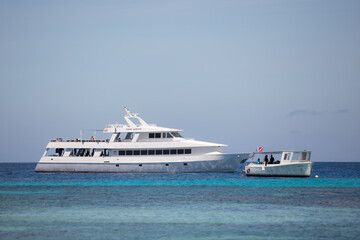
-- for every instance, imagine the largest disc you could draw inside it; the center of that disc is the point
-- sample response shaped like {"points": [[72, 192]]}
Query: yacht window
{"points": [[51, 152], [73, 152], [187, 151], [166, 151], [168, 135], [164, 135], [180, 151], [129, 136], [158, 152], [77, 153], [157, 135], [303, 156], [136, 152], [173, 151], [151, 152], [59, 151], [176, 134], [144, 152], [151, 135], [106, 152], [88, 153], [129, 152], [121, 152], [82, 151]]}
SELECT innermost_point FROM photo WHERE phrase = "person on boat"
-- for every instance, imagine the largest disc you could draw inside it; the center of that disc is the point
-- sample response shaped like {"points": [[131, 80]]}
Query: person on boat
{"points": [[266, 160], [272, 159], [92, 138], [258, 161]]}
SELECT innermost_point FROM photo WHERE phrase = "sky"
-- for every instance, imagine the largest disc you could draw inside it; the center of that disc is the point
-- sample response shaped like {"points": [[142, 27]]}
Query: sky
{"points": [[284, 75]]}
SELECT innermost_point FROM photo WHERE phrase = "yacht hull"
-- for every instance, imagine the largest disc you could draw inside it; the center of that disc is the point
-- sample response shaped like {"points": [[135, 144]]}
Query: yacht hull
{"points": [[302, 169], [158, 164]]}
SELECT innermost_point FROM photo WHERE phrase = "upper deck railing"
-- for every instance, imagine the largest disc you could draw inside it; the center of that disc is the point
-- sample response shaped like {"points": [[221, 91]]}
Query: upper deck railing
{"points": [[78, 140]]}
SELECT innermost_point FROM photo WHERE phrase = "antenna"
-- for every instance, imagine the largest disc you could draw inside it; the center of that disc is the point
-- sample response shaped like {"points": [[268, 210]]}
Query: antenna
{"points": [[127, 111], [133, 115]]}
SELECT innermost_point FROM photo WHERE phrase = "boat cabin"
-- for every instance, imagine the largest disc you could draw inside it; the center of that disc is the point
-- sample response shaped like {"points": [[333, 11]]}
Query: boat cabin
{"points": [[282, 157]]}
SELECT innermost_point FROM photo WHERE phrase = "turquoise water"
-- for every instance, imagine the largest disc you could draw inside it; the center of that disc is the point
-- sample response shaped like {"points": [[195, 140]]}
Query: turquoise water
{"points": [[179, 206]]}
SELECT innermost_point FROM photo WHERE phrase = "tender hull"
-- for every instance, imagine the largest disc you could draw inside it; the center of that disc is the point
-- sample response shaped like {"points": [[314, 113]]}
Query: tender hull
{"points": [[302, 169], [188, 164]]}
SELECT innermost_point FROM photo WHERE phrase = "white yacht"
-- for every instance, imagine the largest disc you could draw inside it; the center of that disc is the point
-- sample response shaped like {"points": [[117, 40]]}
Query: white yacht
{"points": [[138, 148], [290, 164]]}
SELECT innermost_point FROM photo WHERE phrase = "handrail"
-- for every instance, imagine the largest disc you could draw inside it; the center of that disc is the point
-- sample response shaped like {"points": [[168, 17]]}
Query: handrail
{"points": [[78, 140]]}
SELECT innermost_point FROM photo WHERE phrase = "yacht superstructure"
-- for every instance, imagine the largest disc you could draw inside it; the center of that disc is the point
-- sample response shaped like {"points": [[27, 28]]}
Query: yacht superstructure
{"points": [[138, 148]]}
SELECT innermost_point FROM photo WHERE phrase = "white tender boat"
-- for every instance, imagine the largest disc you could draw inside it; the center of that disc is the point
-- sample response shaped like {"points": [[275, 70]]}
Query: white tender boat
{"points": [[291, 164], [138, 148]]}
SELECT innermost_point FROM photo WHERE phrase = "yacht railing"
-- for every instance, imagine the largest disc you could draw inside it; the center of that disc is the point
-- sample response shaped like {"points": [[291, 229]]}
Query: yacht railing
{"points": [[79, 140]]}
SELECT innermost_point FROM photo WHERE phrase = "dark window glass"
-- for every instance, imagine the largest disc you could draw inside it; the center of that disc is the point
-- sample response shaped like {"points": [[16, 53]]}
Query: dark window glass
{"points": [[151, 135], [140, 165], [168, 135], [158, 152], [166, 151], [167, 164], [106, 152], [180, 151], [157, 135], [164, 135], [185, 164], [129, 152], [143, 152], [187, 151], [136, 152], [117, 165], [151, 152], [173, 151], [82, 151], [129, 136], [121, 152], [176, 134]]}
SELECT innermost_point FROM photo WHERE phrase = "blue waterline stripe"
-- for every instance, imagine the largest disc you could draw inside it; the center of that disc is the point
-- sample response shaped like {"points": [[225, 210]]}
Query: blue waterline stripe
{"points": [[329, 182]]}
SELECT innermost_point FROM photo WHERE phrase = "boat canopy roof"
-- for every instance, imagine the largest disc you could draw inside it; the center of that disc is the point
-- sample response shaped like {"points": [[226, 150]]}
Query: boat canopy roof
{"points": [[280, 152], [132, 127]]}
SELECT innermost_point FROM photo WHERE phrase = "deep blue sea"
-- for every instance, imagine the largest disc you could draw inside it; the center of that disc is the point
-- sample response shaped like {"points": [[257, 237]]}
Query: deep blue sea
{"points": [[179, 206]]}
